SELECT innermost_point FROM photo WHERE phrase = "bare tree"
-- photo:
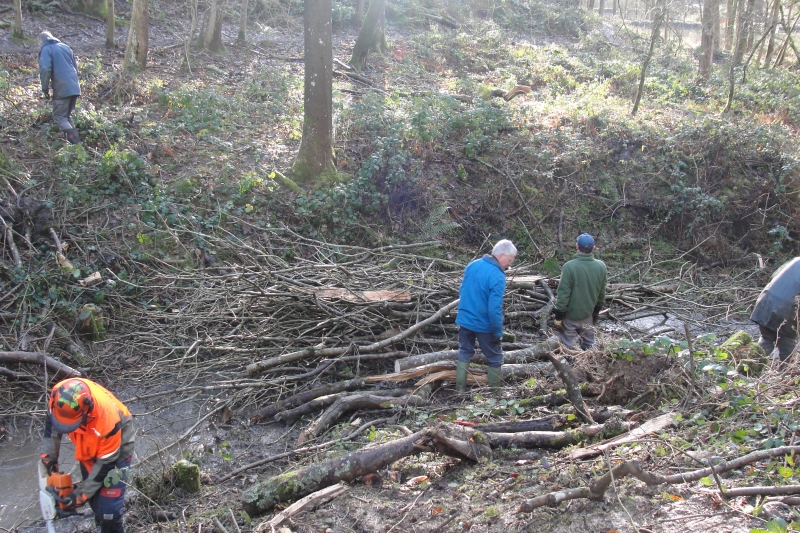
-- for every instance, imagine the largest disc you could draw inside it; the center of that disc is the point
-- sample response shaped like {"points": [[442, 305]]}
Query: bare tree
{"points": [[211, 30], [659, 13], [138, 36], [771, 43], [744, 24], [243, 22], [17, 32], [371, 36], [601, 10], [359, 16], [730, 23], [707, 40], [315, 155], [110, 24]]}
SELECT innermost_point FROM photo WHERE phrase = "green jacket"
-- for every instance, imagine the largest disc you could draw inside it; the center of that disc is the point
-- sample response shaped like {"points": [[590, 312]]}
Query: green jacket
{"points": [[582, 286]]}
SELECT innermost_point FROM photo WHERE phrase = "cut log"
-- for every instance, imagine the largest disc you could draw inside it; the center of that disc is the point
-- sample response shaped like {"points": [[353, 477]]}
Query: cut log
{"points": [[572, 385], [651, 426], [549, 423], [299, 399], [555, 439], [263, 496]]}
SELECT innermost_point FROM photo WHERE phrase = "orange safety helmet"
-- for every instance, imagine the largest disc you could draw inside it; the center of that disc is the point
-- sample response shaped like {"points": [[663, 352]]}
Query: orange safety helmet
{"points": [[70, 402]]}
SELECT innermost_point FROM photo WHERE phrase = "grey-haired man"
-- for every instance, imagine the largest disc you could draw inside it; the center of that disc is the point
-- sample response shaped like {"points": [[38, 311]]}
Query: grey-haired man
{"points": [[59, 68]]}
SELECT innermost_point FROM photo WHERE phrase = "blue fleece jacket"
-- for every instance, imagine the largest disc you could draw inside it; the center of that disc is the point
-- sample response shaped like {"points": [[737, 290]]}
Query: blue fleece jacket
{"points": [[57, 64], [481, 306]]}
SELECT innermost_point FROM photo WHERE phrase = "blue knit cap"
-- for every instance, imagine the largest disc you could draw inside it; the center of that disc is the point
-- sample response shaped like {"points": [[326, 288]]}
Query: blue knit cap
{"points": [[585, 243]]}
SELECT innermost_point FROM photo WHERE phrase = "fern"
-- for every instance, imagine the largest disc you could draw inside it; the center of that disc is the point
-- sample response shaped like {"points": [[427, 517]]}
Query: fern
{"points": [[437, 224]]}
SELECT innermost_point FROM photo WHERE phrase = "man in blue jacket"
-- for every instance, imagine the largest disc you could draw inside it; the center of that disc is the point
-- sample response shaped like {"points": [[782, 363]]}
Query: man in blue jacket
{"points": [[480, 312], [58, 67], [776, 310]]}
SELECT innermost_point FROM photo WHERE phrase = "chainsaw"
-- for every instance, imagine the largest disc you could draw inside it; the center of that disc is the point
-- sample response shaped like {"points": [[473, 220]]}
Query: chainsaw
{"points": [[52, 488]]}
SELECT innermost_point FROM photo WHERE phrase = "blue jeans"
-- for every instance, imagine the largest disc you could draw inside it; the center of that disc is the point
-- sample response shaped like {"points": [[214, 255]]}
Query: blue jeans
{"points": [[490, 346], [107, 503]]}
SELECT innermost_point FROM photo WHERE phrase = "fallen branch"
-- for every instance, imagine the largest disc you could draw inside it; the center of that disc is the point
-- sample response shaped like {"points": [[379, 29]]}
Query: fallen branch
{"points": [[651, 426], [442, 20], [323, 402], [554, 439], [40, 358], [308, 502], [761, 491], [634, 468], [299, 399], [572, 385]]}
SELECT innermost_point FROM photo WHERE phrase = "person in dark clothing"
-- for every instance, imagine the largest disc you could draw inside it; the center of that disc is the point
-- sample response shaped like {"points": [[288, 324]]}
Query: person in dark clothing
{"points": [[581, 294], [776, 310], [480, 312], [59, 68]]}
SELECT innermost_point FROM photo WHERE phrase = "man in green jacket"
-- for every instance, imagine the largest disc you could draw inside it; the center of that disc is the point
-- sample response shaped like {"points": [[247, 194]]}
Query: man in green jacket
{"points": [[581, 293]]}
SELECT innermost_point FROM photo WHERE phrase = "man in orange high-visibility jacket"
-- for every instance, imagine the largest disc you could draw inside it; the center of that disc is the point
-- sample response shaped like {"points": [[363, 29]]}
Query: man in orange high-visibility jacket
{"points": [[101, 427]]}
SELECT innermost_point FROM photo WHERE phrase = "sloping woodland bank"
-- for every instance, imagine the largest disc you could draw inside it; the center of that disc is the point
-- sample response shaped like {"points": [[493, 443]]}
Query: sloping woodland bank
{"points": [[224, 290]]}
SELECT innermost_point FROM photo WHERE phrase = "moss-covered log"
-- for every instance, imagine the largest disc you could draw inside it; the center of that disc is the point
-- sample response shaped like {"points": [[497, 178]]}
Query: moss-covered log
{"points": [[450, 439]]}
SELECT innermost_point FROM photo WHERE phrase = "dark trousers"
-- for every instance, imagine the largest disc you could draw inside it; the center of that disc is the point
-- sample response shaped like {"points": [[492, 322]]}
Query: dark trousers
{"points": [[784, 339], [490, 346], [107, 503], [62, 112]]}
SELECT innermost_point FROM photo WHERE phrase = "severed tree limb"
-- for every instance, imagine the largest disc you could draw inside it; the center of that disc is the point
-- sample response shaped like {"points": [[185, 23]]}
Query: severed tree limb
{"points": [[15, 376], [299, 399], [308, 502], [761, 491], [322, 402], [572, 385], [264, 495], [549, 423], [634, 468], [260, 366], [554, 439], [40, 358], [352, 403]]}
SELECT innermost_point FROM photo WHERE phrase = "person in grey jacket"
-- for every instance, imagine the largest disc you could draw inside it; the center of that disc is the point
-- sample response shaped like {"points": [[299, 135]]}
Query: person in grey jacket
{"points": [[59, 68], [776, 311]]}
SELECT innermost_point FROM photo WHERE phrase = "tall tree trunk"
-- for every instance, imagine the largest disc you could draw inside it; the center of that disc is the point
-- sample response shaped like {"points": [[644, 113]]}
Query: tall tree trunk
{"points": [[730, 23], [771, 44], [187, 58], [138, 36], [315, 155], [243, 22], [371, 36], [601, 10], [17, 32], [743, 25], [659, 12], [359, 16], [717, 34], [211, 32], [110, 24], [707, 41], [590, 5]]}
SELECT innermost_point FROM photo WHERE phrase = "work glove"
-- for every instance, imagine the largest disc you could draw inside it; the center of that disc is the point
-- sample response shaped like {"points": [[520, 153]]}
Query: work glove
{"points": [[73, 500], [596, 313], [558, 319], [50, 464]]}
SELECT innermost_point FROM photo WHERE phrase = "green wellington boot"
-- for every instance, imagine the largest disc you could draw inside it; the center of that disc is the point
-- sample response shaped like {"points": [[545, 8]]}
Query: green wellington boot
{"points": [[494, 375], [461, 376]]}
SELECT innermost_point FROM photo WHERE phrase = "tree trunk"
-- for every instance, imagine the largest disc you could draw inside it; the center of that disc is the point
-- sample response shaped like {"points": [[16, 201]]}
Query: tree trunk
{"points": [[211, 32], [730, 22], [186, 63], [315, 155], [359, 16], [743, 25], [243, 22], [17, 32], [771, 44], [371, 36], [110, 24], [590, 5], [658, 19], [136, 49], [717, 35], [707, 41], [601, 9]]}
